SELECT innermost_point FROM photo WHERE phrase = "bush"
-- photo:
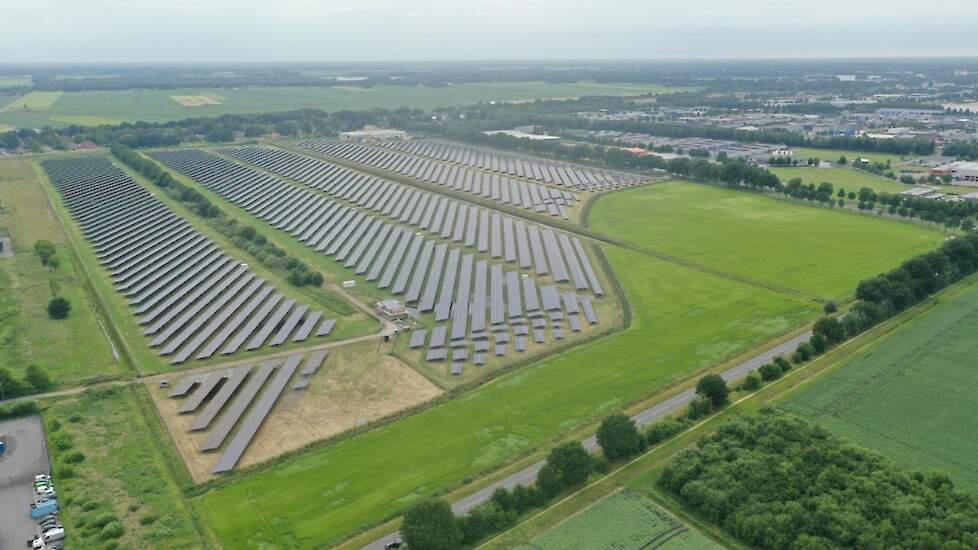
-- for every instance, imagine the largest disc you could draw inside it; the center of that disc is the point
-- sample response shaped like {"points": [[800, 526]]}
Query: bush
{"points": [[619, 438], [37, 378], [65, 471], [58, 308], [430, 525], [752, 382], [783, 363], [89, 505], [113, 530], [147, 520], [699, 407], [663, 430], [830, 307], [73, 457], [770, 372], [45, 250], [104, 519], [17, 410], [831, 329]]}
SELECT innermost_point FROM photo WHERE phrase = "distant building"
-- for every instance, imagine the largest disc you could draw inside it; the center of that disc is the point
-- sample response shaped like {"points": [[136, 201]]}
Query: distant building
{"points": [[392, 309], [908, 113], [522, 135], [963, 171], [370, 133], [922, 193]]}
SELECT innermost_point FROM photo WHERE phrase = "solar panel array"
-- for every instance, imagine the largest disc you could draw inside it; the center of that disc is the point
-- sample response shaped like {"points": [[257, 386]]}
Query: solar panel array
{"points": [[510, 239], [193, 299], [489, 185], [546, 171], [470, 283], [240, 399]]}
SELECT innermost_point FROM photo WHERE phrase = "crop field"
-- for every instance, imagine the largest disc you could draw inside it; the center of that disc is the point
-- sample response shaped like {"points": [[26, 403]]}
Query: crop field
{"points": [[27, 334], [911, 396], [684, 320], [33, 101], [159, 105], [626, 520], [119, 480], [849, 179], [758, 238], [86, 120]]}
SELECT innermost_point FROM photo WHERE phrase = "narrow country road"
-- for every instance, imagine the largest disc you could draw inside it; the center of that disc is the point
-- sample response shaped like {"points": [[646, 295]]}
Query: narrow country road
{"points": [[528, 475]]}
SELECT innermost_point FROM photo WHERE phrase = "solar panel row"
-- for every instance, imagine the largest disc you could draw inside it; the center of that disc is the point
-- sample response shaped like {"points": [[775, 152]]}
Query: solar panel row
{"points": [[552, 172], [193, 299], [493, 186]]}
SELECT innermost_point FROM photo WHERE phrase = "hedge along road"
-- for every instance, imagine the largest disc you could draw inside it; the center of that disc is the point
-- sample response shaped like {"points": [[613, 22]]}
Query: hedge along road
{"points": [[528, 475], [685, 320]]}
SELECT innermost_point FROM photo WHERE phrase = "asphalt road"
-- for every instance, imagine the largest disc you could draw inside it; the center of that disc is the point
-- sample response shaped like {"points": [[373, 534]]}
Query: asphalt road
{"points": [[528, 475], [27, 456]]}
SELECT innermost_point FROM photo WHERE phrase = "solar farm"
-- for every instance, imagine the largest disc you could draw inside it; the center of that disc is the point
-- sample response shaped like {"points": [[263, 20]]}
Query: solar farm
{"points": [[483, 285]]}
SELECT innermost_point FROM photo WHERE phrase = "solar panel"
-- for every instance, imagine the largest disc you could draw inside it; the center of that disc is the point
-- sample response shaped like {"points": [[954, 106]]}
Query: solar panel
{"points": [[456, 369], [588, 269], [290, 323], [184, 385], [256, 417], [326, 327], [501, 350], [589, 312], [436, 355], [237, 376], [207, 385], [270, 324], [479, 359], [417, 338], [303, 333], [237, 408], [437, 337], [313, 363], [520, 344], [575, 323], [539, 335]]}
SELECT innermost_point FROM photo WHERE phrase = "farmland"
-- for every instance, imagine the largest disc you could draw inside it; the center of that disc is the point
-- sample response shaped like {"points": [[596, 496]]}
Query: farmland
{"points": [[909, 397], [626, 520], [684, 320], [758, 238], [27, 334], [833, 155], [44, 108]]}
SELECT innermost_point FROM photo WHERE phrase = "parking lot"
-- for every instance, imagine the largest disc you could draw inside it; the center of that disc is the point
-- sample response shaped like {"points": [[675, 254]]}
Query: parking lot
{"points": [[26, 456]]}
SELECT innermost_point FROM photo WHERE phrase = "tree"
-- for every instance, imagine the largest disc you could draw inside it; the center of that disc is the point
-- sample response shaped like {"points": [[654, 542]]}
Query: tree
{"points": [[967, 225], [831, 329], [568, 464], [431, 525], [714, 388], [830, 307], [45, 250], [10, 386], [770, 371], [37, 378], [618, 437], [58, 308], [843, 160], [752, 382]]}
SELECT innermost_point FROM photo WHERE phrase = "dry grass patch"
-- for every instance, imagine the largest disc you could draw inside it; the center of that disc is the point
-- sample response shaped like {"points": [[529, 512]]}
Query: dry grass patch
{"points": [[357, 384]]}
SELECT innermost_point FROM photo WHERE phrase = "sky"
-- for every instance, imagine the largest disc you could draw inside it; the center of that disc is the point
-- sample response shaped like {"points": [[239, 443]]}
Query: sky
{"points": [[391, 30]]}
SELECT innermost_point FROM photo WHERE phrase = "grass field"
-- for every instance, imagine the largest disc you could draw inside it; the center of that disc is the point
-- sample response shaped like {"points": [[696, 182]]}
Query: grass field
{"points": [[849, 179], [33, 101], [158, 105], [684, 320], [86, 120], [759, 238], [626, 520], [911, 396], [72, 350], [126, 474], [832, 155]]}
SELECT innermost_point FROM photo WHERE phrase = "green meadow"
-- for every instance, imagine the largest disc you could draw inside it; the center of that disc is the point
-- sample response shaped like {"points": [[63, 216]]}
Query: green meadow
{"points": [[683, 320], [816, 251], [72, 350], [911, 396]]}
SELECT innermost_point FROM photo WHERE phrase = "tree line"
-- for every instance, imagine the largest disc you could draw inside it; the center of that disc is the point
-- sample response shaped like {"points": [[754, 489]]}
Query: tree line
{"points": [[242, 236]]}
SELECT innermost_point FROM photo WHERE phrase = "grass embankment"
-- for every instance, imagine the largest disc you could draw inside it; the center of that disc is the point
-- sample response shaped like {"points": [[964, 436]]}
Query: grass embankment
{"points": [[684, 321], [120, 483], [73, 350], [820, 252], [911, 396]]}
